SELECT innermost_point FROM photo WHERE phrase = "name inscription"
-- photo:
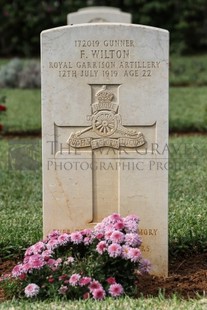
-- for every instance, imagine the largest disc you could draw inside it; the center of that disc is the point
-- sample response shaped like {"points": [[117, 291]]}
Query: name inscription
{"points": [[105, 59]]}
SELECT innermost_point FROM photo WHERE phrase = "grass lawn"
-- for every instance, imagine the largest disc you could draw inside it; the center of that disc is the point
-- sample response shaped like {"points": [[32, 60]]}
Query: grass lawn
{"points": [[111, 304], [21, 201], [188, 70], [24, 110], [188, 109], [187, 193]]}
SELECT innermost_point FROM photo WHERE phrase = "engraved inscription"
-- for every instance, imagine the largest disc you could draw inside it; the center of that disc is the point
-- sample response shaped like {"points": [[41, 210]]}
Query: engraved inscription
{"points": [[147, 232], [107, 59], [106, 43], [106, 128], [105, 54]]}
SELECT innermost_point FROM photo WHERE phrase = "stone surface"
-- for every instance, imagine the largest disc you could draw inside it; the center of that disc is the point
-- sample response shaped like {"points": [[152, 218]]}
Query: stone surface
{"points": [[98, 14], [105, 129]]}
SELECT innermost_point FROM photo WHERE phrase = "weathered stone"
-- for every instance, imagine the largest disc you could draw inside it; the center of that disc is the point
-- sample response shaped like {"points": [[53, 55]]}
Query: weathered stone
{"points": [[105, 129], [98, 14]]}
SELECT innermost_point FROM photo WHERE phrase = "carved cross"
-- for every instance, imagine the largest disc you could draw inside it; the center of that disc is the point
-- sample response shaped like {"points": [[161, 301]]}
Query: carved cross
{"points": [[105, 133]]}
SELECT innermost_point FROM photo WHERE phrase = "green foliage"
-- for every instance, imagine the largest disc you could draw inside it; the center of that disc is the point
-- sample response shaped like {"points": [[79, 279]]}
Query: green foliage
{"points": [[186, 20], [23, 24]]}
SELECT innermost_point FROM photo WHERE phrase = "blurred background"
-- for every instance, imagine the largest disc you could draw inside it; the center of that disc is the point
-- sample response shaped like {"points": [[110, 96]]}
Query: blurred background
{"points": [[22, 21]]}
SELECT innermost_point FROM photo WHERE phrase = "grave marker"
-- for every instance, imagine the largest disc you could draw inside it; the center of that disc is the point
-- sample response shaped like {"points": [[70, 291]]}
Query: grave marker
{"points": [[105, 129], [98, 14]]}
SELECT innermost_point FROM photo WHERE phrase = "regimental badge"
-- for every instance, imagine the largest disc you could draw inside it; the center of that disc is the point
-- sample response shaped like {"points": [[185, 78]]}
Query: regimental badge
{"points": [[106, 128]]}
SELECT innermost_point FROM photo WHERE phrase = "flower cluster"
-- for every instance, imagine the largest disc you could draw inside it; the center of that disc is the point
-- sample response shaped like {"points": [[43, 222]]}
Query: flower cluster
{"points": [[84, 264], [118, 237], [2, 109]]}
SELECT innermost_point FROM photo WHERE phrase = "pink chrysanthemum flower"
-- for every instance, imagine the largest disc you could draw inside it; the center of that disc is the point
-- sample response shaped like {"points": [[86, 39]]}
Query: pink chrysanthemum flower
{"points": [[26, 259], [63, 239], [108, 234], [22, 276], [132, 239], [134, 254], [111, 280], [132, 217], [115, 217], [116, 290], [145, 266], [76, 237], [51, 262], [119, 225], [114, 250], [86, 232], [17, 270], [58, 262], [98, 228], [84, 281], [63, 290], [87, 240], [38, 247], [86, 295], [99, 236], [54, 234], [117, 237], [109, 227], [125, 251], [95, 285], [26, 267], [74, 279], [98, 293], [6, 276], [51, 279], [69, 260], [46, 254], [131, 223], [29, 251], [31, 290], [101, 247], [63, 277], [52, 244], [36, 261]]}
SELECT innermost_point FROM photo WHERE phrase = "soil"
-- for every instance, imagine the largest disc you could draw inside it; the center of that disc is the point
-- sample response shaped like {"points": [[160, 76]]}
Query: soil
{"points": [[187, 278]]}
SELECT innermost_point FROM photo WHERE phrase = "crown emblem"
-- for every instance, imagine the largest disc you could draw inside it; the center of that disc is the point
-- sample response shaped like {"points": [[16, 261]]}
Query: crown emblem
{"points": [[105, 102], [104, 95]]}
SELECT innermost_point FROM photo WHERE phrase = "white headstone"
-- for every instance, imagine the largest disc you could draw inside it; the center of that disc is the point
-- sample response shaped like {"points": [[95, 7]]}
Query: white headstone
{"points": [[105, 129], [98, 14]]}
